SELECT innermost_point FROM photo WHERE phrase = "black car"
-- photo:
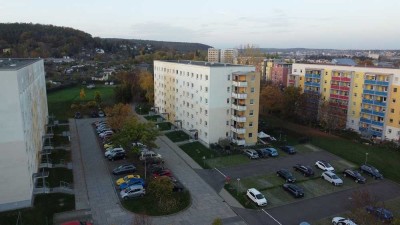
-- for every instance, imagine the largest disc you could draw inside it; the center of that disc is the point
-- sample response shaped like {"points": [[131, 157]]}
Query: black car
{"points": [[94, 114], [123, 169], [294, 190], [116, 156], [77, 115], [178, 187], [288, 149], [372, 171], [285, 174], [262, 153], [305, 170], [355, 175], [155, 168]]}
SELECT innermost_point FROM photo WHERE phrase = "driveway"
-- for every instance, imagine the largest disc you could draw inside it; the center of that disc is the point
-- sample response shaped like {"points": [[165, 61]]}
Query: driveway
{"points": [[96, 191]]}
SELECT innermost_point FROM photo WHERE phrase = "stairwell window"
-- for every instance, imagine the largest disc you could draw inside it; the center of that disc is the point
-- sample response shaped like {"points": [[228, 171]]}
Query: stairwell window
{"points": [[394, 89], [251, 101], [251, 113]]}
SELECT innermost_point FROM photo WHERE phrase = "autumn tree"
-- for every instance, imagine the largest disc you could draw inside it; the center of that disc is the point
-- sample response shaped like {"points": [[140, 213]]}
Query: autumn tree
{"points": [[359, 199], [97, 98], [118, 115], [146, 82], [161, 189], [271, 99], [331, 116], [217, 221], [307, 107], [291, 96], [82, 94]]}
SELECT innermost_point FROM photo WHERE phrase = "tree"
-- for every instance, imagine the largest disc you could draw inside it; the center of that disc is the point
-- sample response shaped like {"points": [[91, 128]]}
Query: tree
{"points": [[307, 107], [217, 221], [118, 115], [359, 199], [161, 189], [82, 94], [97, 98], [291, 96], [331, 116], [271, 99], [146, 82]]}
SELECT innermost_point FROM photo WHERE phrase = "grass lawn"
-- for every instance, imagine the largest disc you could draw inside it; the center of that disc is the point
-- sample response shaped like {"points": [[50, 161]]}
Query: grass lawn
{"points": [[240, 196], [227, 161], [59, 102], [154, 118], [58, 140], [197, 151], [45, 206], [59, 129], [56, 175], [143, 109], [177, 136], [164, 126], [59, 155], [148, 205]]}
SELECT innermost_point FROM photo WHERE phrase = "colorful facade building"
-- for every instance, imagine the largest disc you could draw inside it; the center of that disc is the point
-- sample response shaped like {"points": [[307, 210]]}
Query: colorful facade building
{"points": [[209, 100], [368, 96]]}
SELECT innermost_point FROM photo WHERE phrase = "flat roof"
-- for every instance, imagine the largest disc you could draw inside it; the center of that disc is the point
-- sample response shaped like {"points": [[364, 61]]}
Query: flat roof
{"points": [[15, 63], [203, 63]]}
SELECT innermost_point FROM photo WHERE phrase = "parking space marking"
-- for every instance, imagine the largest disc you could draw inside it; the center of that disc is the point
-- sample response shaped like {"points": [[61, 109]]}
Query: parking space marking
{"points": [[220, 172], [271, 217]]}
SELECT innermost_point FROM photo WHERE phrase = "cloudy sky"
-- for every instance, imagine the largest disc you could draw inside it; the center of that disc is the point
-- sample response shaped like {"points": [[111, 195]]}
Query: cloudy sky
{"points": [[341, 24]]}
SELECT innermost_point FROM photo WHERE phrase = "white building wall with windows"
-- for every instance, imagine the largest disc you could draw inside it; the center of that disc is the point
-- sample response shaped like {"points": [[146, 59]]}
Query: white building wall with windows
{"points": [[23, 122]]}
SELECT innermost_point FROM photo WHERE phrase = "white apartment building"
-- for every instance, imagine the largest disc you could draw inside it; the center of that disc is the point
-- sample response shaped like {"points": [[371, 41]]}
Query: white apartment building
{"points": [[211, 100], [23, 122], [229, 55], [214, 55]]}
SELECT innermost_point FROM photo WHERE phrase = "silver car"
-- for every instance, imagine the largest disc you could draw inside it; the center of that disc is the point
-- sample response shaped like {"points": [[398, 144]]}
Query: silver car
{"points": [[133, 192]]}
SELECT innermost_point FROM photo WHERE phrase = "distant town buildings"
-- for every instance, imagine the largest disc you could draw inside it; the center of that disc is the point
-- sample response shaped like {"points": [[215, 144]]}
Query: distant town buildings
{"points": [[223, 56], [367, 97], [212, 101], [214, 55], [23, 121], [344, 62]]}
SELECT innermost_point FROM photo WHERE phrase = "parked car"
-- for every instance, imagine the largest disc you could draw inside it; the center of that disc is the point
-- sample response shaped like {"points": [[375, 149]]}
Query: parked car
{"points": [[125, 179], [101, 114], [162, 173], [380, 213], [138, 144], [178, 187], [262, 153], [288, 149], [130, 182], [133, 192], [372, 171], [77, 115], [108, 145], [156, 161], [77, 222], [286, 175], [94, 114], [99, 122], [106, 133], [324, 165], [112, 151], [116, 156], [332, 178], [154, 168], [148, 154], [123, 169], [342, 221], [305, 170], [355, 175], [294, 190], [252, 154], [272, 152], [256, 197]]}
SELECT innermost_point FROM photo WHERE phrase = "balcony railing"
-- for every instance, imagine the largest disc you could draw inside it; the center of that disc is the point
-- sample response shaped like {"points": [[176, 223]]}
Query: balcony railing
{"points": [[341, 88], [342, 97], [373, 122], [372, 102], [239, 141], [343, 79], [239, 95], [317, 76], [238, 130], [240, 119], [377, 82], [238, 107], [373, 112], [373, 92], [313, 84], [239, 83]]}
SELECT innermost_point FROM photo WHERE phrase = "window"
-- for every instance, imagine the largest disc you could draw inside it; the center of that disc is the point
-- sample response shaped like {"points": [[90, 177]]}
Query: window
{"points": [[251, 101], [355, 85], [205, 123], [227, 100], [394, 89], [251, 112], [355, 94], [253, 77], [301, 71], [228, 89], [389, 131], [352, 121], [205, 134], [206, 77], [392, 110], [252, 90], [324, 89], [227, 134], [301, 78], [227, 122], [206, 89], [353, 112], [325, 81], [326, 73], [229, 77], [354, 103], [250, 124], [250, 135], [394, 100], [227, 112], [205, 100], [391, 120], [206, 112]]}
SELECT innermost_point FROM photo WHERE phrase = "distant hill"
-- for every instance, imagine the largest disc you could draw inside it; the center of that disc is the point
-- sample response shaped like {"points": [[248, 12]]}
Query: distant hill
{"points": [[37, 40]]}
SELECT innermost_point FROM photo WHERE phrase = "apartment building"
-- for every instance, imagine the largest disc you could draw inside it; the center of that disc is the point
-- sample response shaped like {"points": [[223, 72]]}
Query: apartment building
{"points": [[229, 55], [210, 100], [368, 96], [214, 55], [23, 122]]}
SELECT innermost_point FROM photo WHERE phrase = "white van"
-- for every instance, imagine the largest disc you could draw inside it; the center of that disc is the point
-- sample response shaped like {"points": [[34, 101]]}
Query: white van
{"points": [[148, 154]]}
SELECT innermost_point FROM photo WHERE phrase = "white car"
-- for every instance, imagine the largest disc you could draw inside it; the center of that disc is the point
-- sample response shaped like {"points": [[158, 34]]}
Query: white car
{"points": [[324, 165], [113, 151], [332, 178], [105, 133], [256, 197], [138, 144], [342, 221]]}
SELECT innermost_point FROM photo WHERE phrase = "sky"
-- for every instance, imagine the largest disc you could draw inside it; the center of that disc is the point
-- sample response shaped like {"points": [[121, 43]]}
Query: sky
{"points": [[338, 24]]}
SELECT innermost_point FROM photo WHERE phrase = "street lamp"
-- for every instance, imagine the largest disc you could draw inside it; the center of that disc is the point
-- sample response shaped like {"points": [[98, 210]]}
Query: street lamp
{"points": [[366, 157], [140, 110], [238, 185]]}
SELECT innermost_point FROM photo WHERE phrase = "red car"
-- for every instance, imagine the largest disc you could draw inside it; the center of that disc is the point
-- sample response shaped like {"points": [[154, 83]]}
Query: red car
{"points": [[162, 173], [77, 222]]}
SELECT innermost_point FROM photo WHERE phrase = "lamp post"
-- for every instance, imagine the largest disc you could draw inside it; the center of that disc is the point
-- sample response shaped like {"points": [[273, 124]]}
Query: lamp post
{"points": [[366, 157], [238, 186], [140, 110], [204, 161]]}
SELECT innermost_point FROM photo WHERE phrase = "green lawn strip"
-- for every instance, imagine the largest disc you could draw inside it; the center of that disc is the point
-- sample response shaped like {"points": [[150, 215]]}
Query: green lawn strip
{"points": [[59, 129], [197, 151], [240, 196], [177, 136], [154, 118], [143, 109], [45, 206], [56, 175], [58, 140], [164, 126], [59, 102], [148, 205], [227, 161], [57, 156]]}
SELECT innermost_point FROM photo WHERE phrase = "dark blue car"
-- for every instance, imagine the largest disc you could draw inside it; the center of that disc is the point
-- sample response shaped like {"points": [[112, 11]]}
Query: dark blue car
{"points": [[271, 152], [288, 149], [380, 213], [130, 182]]}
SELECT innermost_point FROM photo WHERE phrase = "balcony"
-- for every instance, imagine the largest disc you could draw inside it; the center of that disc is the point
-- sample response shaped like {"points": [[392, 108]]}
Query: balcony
{"points": [[373, 92], [239, 95], [240, 119], [239, 83], [338, 105], [372, 132], [377, 82], [317, 76], [238, 107], [341, 88], [373, 112], [238, 130], [292, 81], [239, 141], [372, 102], [373, 122], [343, 79], [313, 84], [341, 97]]}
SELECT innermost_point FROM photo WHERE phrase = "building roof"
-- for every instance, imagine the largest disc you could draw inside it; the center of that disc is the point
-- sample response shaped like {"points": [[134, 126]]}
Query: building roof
{"points": [[344, 61], [15, 64], [202, 63]]}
